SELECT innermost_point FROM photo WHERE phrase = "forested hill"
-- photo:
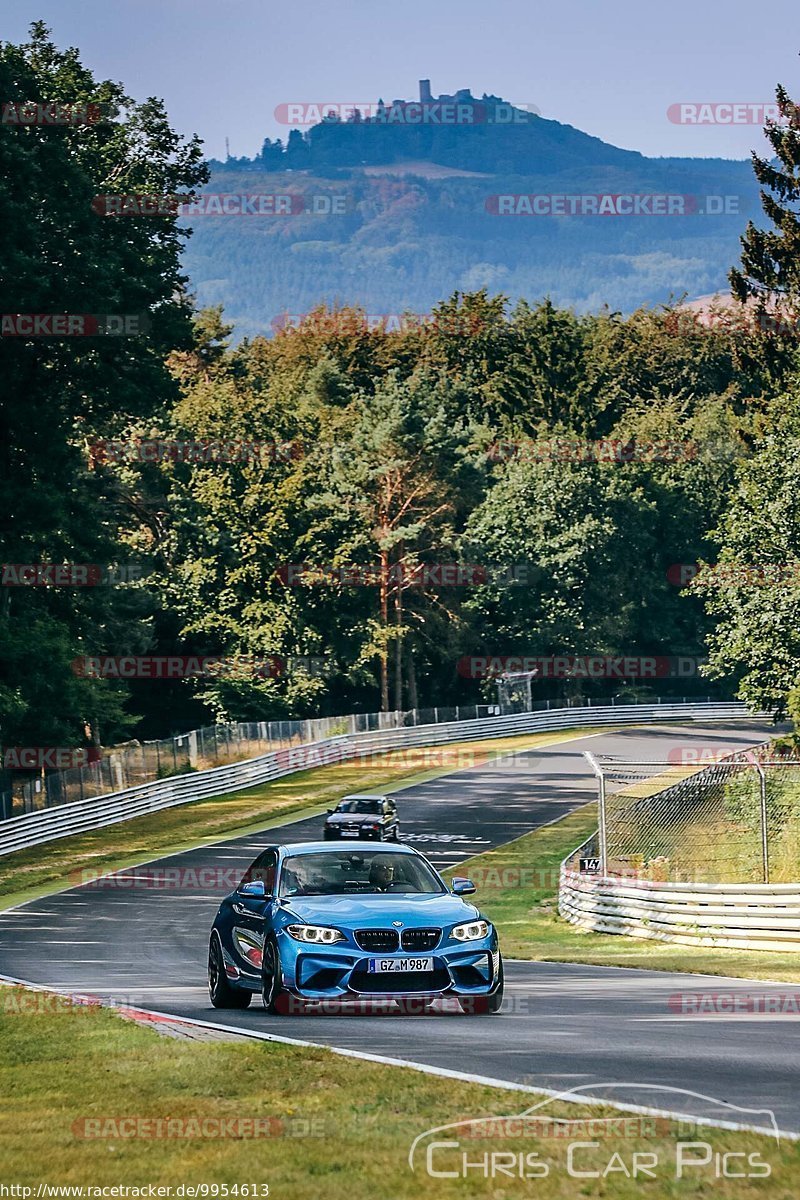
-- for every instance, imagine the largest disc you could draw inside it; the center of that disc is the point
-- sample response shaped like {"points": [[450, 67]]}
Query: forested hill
{"points": [[393, 216], [480, 135]]}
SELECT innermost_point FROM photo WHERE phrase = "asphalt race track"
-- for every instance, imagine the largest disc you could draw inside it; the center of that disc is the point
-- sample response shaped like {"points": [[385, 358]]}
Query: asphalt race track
{"points": [[141, 939]]}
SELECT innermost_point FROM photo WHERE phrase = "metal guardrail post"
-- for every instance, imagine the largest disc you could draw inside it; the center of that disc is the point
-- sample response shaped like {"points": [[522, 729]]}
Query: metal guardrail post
{"points": [[601, 816], [762, 781]]}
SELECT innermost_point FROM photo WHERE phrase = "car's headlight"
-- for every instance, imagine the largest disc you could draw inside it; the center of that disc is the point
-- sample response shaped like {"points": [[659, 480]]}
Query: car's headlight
{"points": [[472, 931], [317, 934]]}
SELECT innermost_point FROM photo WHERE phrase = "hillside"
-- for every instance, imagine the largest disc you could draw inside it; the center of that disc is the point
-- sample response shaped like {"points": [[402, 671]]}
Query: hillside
{"points": [[396, 218]]}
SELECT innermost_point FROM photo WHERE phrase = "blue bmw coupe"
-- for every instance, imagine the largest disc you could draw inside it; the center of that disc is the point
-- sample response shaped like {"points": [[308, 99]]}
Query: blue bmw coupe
{"points": [[313, 923]]}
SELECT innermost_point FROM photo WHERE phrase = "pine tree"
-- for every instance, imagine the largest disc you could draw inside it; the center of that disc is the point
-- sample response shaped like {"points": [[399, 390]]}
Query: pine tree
{"points": [[770, 272]]}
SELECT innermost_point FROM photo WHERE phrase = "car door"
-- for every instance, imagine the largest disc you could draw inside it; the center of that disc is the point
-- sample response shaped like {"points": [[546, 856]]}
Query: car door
{"points": [[390, 809], [249, 906]]}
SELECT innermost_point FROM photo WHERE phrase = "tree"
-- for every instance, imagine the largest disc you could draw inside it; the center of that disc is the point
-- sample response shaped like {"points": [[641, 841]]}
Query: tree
{"points": [[402, 483], [770, 271], [597, 545], [60, 394], [754, 587]]}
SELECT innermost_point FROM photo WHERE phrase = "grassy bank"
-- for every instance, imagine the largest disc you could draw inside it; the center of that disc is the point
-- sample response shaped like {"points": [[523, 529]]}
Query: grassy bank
{"points": [[329, 1126], [57, 865], [518, 889]]}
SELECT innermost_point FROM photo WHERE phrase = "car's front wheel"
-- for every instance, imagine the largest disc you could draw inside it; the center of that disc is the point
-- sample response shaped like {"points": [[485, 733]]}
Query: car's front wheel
{"points": [[222, 993], [274, 997]]}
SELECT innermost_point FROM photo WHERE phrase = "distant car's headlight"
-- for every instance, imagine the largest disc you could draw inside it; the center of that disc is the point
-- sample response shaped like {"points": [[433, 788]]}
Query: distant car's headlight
{"points": [[472, 931], [318, 934]]}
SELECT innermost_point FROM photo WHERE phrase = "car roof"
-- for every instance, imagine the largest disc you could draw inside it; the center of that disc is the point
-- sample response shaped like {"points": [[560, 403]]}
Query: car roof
{"points": [[326, 847], [364, 796]]}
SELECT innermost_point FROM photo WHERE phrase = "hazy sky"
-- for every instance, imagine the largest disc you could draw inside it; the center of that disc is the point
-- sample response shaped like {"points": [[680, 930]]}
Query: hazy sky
{"points": [[611, 69]]}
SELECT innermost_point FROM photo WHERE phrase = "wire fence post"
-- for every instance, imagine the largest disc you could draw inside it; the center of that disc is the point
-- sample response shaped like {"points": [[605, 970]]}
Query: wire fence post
{"points": [[601, 822], [762, 781]]}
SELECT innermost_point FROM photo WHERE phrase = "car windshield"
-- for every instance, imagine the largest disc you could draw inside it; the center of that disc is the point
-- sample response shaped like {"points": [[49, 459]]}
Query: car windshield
{"points": [[342, 872], [359, 806]]}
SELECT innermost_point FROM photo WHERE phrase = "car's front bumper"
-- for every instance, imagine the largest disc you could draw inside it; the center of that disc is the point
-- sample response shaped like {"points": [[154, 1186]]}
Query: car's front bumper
{"points": [[362, 834], [318, 973]]}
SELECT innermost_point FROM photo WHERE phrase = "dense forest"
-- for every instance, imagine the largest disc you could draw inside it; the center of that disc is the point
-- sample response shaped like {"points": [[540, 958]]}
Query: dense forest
{"points": [[391, 244], [342, 514]]}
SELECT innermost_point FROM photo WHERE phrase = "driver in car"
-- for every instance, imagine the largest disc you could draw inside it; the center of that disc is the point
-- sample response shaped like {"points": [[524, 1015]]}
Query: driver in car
{"points": [[295, 881], [381, 875]]}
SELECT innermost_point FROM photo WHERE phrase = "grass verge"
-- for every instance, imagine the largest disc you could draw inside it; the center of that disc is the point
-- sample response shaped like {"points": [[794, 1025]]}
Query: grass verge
{"points": [[56, 865], [518, 890], [329, 1126]]}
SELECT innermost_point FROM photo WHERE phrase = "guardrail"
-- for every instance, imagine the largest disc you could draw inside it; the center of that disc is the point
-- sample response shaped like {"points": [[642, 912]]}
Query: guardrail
{"points": [[756, 916], [83, 816], [121, 767]]}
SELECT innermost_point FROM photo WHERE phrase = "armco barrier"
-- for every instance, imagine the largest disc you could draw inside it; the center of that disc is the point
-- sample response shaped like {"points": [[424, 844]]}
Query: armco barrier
{"points": [[82, 816], [741, 916], [757, 916]]}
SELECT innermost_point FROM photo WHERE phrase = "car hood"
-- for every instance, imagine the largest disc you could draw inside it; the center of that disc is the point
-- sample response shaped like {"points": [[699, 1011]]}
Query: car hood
{"points": [[371, 912], [337, 818]]}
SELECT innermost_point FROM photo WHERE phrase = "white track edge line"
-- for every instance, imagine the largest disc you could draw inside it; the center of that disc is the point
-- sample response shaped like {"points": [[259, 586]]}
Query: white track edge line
{"points": [[445, 1072]]}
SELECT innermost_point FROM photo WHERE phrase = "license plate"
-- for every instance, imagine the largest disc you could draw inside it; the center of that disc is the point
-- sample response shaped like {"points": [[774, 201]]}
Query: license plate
{"points": [[378, 966], [349, 833]]}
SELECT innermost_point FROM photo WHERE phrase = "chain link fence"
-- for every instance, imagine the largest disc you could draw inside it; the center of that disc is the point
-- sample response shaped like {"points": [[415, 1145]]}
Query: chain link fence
{"points": [[214, 745], [211, 746], [735, 820]]}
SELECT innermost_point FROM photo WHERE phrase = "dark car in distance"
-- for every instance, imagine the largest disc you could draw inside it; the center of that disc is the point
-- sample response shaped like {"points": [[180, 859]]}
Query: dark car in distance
{"points": [[370, 817]]}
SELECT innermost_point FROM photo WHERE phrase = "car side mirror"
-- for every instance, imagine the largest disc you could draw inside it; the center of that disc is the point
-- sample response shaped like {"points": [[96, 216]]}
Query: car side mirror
{"points": [[255, 888], [462, 887], [330, 810]]}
